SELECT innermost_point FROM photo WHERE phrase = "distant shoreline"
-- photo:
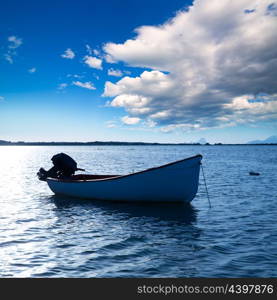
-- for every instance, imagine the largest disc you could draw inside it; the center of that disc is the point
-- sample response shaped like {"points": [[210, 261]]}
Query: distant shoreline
{"points": [[98, 143]]}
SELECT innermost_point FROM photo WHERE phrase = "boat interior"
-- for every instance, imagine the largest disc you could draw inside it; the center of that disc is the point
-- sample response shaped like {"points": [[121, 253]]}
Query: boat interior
{"points": [[91, 177]]}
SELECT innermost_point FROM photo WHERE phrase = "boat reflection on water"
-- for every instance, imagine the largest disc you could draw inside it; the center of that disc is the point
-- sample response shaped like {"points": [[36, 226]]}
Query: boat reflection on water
{"points": [[179, 212], [122, 239]]}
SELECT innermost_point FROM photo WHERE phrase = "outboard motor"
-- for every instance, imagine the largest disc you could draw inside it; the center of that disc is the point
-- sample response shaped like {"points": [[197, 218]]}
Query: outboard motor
{"points": [[64, 166]]}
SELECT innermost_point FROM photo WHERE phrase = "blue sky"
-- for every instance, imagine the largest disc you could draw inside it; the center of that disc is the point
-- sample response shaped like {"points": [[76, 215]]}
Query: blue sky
{"points": [[153, 71]]}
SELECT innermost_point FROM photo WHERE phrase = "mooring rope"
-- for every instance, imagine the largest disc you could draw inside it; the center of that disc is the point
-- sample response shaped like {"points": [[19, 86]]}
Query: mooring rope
{"points": [[205, 185]]}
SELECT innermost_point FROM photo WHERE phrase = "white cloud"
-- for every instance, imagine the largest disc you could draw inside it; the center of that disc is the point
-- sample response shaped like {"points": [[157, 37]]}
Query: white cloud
{"points": [[96, 52], [153, 83], [14, 42], [68, 53], [2, 98], [134, 104], [185, 127], [62, 86], [200, 62], [87, 85], [130, 120], [9, 58], [93, 62], [164, 114], [245, 109], [32, 70], [75, 76], [89, 50], [111, 124], [150, 123], [116, 73], [108, 58]]}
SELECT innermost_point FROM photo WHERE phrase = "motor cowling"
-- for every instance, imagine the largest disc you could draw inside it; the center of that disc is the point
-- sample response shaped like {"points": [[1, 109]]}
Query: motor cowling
{"points": [[64, 163], [64, 166]]}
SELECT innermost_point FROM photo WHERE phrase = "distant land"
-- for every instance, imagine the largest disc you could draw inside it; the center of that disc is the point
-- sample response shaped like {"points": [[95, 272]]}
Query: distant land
{"points": [[95, 143], [269, 141]]}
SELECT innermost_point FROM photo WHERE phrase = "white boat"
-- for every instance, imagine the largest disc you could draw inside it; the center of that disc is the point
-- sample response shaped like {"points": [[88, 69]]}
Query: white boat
{"points": [[173, 182]]}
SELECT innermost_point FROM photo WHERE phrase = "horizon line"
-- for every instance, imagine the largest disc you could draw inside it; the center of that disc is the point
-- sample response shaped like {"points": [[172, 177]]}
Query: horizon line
{"points": [[60, 143]]}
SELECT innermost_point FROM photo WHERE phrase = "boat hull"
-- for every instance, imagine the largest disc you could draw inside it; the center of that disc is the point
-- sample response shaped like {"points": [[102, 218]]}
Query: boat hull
{"points": [[174, 182]]}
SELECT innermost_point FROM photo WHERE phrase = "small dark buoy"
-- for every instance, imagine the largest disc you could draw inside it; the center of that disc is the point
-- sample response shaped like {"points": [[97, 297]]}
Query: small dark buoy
{"points": [[254, 173]]}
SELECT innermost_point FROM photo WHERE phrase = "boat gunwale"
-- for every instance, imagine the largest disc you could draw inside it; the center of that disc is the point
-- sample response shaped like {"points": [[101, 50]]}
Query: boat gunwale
{"points": [[122, 176]]}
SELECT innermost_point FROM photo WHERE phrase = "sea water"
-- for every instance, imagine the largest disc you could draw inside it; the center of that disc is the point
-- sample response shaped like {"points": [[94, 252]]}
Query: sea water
{"points": [[42, 235]]}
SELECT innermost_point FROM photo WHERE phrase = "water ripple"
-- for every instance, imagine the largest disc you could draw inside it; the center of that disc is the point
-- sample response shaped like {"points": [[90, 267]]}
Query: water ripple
{"points": [[42, 235]]}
